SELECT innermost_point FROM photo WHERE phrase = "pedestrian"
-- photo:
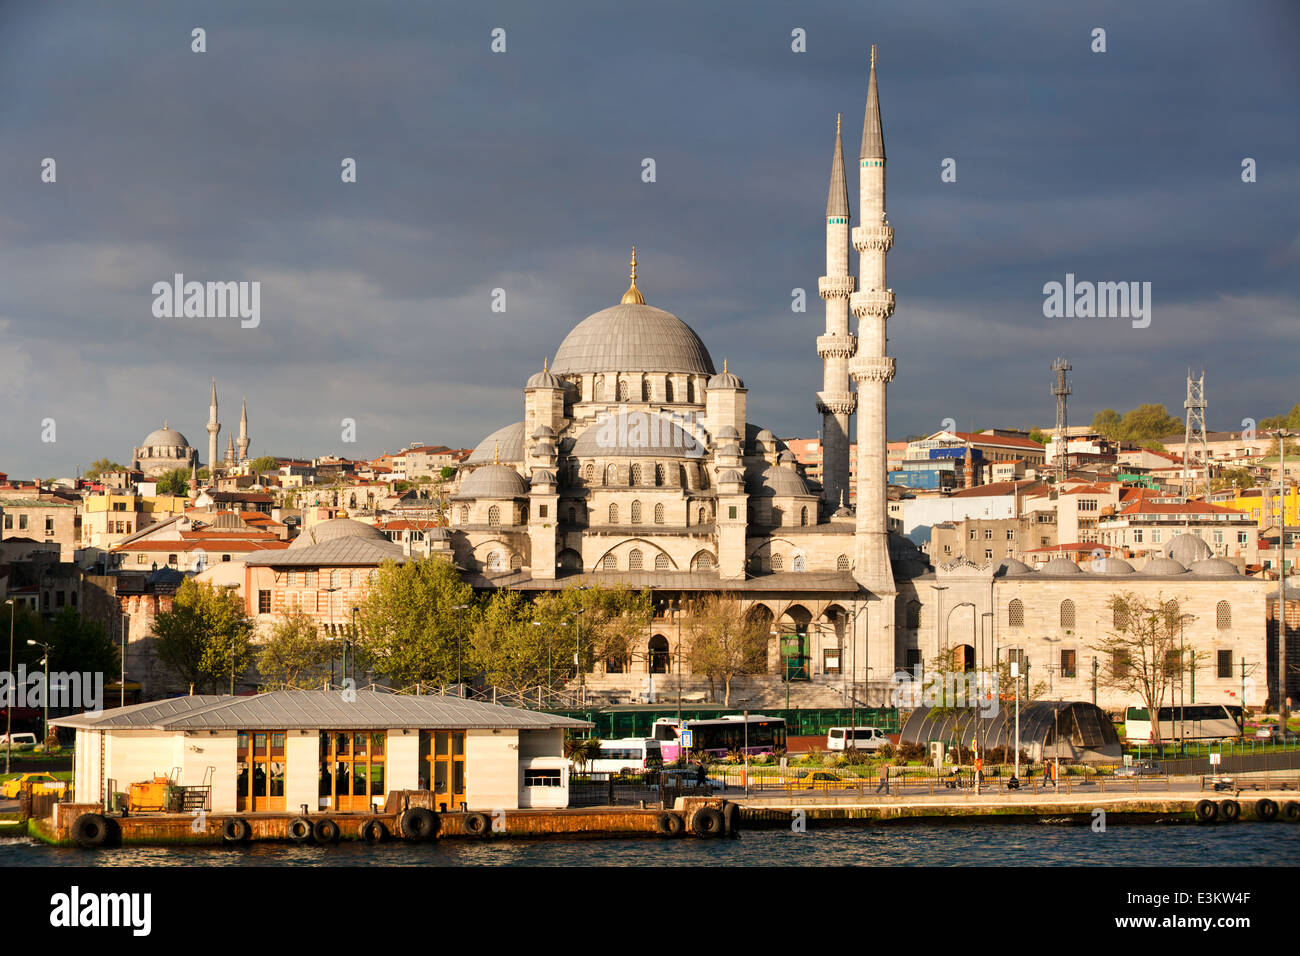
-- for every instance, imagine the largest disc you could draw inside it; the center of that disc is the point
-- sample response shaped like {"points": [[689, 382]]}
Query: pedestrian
{"points": [[884, 779]]}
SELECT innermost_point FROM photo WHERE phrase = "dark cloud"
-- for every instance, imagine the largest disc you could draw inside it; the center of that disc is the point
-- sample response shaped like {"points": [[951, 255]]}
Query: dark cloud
{"points": [[522, 172]]}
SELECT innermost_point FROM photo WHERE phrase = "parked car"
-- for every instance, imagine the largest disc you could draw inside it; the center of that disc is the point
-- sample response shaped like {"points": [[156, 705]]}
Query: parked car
{"points": [[40, 782], [824, 780], [19, 740], [1141, 768]]}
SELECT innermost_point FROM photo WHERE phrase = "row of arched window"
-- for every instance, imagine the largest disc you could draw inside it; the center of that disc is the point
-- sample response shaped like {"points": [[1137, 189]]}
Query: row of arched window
{"points": [[1067, 617], [622, 392], [703, 561], [498, 561], [646, 475]]}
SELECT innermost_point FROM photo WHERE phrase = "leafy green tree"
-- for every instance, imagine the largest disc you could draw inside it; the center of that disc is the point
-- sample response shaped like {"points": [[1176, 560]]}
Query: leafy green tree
{"points": [[174, 482], [1233, 478], [410, 628], [724, 642], [447, 473], [1288, 420], [1107, 423], [76, 644], [295, 654], [264, 463], [204, 638], [101, 465], [511, 652], [1150, 421], [1040, 436]]}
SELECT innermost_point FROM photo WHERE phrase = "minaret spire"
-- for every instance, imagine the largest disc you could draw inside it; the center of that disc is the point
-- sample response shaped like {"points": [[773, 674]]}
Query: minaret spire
{"points": [[214, 429], [836, 401], [873, 139], [243, 430]]}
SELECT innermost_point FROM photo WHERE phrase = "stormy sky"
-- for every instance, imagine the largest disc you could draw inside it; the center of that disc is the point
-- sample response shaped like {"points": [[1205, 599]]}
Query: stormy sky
{"points": [[522, 171]]}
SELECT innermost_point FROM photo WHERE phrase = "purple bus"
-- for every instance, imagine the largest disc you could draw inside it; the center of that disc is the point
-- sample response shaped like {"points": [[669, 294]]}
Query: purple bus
{"points": [[718, 737]]}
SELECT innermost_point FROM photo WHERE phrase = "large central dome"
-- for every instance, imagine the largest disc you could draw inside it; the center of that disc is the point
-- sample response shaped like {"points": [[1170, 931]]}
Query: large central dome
{"points": [[631, 337]]}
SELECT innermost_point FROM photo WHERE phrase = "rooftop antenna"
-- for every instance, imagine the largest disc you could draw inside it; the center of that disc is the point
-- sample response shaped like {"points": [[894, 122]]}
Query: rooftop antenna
{"points": [[1061, 389], [1195, 441]]}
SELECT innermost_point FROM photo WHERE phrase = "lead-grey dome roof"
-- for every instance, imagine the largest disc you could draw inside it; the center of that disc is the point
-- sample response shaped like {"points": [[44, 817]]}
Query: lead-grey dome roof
{"points": [[637, 435], [544, 379], [1163, 566], [725, 380], [493, 481], [731, 475], [1061, 566], [1011, 566], [1214, 567], [164, 438], [1187, 548], [508, 441], [778, 481], [728, 432], [632, 338], [1111, 566], [333, 528]]}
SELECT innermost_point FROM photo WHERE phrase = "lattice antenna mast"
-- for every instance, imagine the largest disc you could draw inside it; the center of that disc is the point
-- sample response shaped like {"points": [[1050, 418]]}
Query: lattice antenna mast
{"points": [[1196, 448], [1061, 389]]}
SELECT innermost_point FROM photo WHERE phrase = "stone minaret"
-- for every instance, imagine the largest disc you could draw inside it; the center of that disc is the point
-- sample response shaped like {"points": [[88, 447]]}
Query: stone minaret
{"points": [[243, 431], [836, 402], [871, 367], [214, 429], [230, 452]]}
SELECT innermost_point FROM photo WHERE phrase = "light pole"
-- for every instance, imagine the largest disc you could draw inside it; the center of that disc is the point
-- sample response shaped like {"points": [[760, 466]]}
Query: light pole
{"points": [[1282, 706], [677, 610], [46, 686], [122, 679], [11, 696], [460, 630]]}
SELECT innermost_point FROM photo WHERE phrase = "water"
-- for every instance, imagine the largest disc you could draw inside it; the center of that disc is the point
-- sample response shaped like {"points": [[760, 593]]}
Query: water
{"points": [[960, 844]]}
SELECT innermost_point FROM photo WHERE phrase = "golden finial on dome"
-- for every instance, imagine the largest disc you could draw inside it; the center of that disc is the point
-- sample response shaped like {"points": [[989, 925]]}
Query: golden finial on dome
{"points": [[633, 295], [545, 360], [496, 454], [838, 118], [873, 56], [724, 366]]}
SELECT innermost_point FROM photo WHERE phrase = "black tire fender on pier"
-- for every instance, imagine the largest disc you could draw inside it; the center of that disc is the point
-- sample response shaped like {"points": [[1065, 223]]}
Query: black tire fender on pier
{"points": [[707, 822], [91, 830], [731, 818], [1207, 811], [235, 830], [1291, 812], [1230, 810], [1266, 809], [325, 831], [477, 824], [418, 823], [373, 831], [299, 829], [669, 824]]}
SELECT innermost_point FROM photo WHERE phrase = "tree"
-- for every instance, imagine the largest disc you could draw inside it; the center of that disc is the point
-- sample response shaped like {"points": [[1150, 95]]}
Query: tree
{"points": [[1143, 650], [447, 473], [101, 465], [410, 628], [1107, 423], [512, 653], [1233, 478], [204, 638], [174, 482], [724, 642], [1040, 436], [264, 463], [1148, 422], [296, 652], [1287, 420]]}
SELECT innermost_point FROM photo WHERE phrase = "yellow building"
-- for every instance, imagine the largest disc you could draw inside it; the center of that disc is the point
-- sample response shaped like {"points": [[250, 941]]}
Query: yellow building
{"points": [[1265, 505], [108, 519]]}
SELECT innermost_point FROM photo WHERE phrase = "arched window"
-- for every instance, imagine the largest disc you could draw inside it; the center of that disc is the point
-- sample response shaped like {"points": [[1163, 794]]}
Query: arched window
{"points": [[1016, 613], [355, 580], [778, 563], [1119, 617], [668, 390], [573, 516], [1223, 615], [611, 475], [914, 614], [374, 575], [701, 521], [613, 513], [622, 390], [703, 561], [645, 389], [659, 475], [799, 563], [661, 562], [659, 513], [690, 391], [464, 514], [496, 561], [336, 578], [777, 516], [681, 475], [634, 560], [636, 512], [704, 477], [494, 516], [842, 563], [1067, 613], [589, 473], [659, 656], [600, 388], [636, 474], [803, 517], [516, 562], [609, 563]]}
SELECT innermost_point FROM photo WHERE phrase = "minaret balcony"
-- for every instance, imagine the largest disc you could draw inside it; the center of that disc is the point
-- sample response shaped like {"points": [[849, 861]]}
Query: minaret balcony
{"points": [[837, 346], [868, 368], [837, 403], [836, 287], [874, 304], [877, 238]]}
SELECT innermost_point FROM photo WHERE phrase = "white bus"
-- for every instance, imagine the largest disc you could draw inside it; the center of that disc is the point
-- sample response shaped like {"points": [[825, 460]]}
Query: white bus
{"points": [[1192, 722], [861, 738], [628, 755]]}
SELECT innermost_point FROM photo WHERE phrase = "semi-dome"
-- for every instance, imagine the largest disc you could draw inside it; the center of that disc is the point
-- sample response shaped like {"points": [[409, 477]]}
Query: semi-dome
{"points": [[504, 444], [328, 530], [1213, 567], [637, 435], [1110, 566], [1011, 566], [1163, 567], [1187, 548], [778, 481], [493, 481], [631, 337], [1061, 566]]}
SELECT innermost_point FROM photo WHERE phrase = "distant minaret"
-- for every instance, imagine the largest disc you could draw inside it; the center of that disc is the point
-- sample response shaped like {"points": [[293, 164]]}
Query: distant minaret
{"points": [[230, 452], [871, 367], [214, 429], [836, 402], [243, 432]]}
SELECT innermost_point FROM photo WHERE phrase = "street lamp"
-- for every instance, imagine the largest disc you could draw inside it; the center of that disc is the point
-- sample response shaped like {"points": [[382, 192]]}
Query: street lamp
{"points": [[11, 696], [46, 686]]}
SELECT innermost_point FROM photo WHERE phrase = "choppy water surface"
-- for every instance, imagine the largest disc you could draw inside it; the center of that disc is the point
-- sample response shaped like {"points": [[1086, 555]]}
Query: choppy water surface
{"points": [[952, 844]]}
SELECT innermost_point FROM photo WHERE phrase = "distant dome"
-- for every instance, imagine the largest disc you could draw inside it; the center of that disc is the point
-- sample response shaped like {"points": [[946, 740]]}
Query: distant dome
{"points": [[1214, 568], [438, 534], [1163, 566], [507, 443], [730, 450], [786, 457], [1061, 566], [1187, 548], [778, 481], [323, 531], [1111, 566], [631, 337], [1011, 566], [165, 438], [637, 435], [493, 481]]}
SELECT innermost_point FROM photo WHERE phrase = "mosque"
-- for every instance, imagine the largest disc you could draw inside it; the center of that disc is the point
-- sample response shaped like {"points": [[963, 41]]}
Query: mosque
{"points": [[636, 463], [165, 449]]}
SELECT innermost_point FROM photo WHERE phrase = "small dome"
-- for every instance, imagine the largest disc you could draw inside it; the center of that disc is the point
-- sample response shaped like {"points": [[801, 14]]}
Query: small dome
{"points": [[544, 449], [1110, 566], [1011, 566], [765, 435], [504, 444], [1214, 568], [725, 379], [545, 379], [493, 481], [786, 457], [544, 431], [438, 534], [1061, 566], [728, 433], [731, 475], [1187, 548], [731, 450], [779, 481], [843, 511], [1163, 566], [542, 476], [323, 531]]}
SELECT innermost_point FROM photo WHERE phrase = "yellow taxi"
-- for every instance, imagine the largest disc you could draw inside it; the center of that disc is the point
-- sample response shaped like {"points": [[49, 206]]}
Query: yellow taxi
{"points": [[40, 783], [823, 780]]}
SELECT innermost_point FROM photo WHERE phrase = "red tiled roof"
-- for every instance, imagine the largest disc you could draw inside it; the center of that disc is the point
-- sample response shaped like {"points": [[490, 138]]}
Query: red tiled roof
{"points": [[234, 544], [991, 490], [1009, 442]]}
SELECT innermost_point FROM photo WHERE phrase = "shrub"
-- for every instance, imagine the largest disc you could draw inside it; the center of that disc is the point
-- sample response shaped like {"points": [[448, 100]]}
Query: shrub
{"points": [[912, 751], [887, 751], [900, 761], [857, 757]]}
